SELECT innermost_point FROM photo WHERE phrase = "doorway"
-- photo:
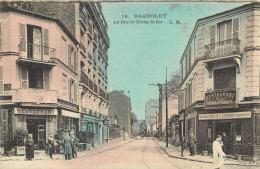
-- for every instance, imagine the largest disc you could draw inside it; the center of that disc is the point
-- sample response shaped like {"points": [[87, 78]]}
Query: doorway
{"points": [[227, 127], [37, 127]]}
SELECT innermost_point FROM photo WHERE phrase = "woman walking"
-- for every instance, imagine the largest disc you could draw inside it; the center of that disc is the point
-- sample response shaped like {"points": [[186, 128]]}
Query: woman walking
{"points": [[67, 150], [218, 153], [29, 143]]}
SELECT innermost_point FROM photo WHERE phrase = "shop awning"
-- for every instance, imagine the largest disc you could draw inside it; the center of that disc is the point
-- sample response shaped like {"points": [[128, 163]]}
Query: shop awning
{"points": [[70, 114]]}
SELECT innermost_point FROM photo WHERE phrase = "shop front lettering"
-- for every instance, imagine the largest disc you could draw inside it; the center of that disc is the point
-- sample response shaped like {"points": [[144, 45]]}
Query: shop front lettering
{"points": [[220, 97], [231, 115], [35, 111]]}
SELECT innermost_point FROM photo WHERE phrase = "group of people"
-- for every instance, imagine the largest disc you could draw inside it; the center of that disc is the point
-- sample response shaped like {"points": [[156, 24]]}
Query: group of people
{"points": [[69, 142], [219, 146]]}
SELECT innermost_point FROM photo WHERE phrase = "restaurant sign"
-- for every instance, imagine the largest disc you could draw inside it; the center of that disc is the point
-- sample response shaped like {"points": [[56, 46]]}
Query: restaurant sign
{"points": [[229, 115], [220, 97], [28, 111]]}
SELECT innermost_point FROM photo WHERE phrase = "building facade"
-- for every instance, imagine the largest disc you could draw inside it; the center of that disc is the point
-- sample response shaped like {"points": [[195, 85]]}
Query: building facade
{"points": [[151, 113], [57, 50], [120, 106], [220, 81]]}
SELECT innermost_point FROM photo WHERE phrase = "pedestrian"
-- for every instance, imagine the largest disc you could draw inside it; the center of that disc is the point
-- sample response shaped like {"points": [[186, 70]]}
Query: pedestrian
{"points": [[182, 142], [218, 153], [225, 141], [51, 148], [67, 150], [192, 144], [74, 144], [29, 143]]}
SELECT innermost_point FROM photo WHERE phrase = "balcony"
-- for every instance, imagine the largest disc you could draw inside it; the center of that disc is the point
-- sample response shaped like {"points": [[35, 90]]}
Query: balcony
{"points": [[90, 84], [36, 54], [224, 98], [84, 78], [102, 93], [222, 49], [31, 95]]}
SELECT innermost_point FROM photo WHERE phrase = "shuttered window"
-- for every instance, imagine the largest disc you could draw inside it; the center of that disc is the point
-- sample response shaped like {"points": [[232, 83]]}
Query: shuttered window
{"points": [[75, 93], [22, 37], [75, 60], [257, 121]]}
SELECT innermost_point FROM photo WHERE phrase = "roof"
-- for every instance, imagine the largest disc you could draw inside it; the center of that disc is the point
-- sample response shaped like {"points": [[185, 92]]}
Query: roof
{"points": [[26, 12]]}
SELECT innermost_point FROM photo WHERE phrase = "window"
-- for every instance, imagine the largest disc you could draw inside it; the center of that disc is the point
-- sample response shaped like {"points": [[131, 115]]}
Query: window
{"points": [[46, 41], [34, 78], [72, 94], [225, 78], [225, 30]]}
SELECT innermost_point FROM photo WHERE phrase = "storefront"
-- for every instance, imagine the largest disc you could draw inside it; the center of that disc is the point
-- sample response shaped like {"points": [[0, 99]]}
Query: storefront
{"points": [[237, 126], [69, 120], [37, 121]]}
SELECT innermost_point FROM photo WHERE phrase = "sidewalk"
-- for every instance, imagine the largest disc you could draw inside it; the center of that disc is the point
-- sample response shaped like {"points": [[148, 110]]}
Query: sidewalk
{"points": [[40, 155], [175, 152]]}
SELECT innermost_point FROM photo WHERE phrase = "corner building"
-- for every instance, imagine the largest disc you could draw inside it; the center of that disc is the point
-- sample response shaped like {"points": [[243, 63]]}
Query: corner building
{"points": [[86, 22], [38, 89], [220, 86]]}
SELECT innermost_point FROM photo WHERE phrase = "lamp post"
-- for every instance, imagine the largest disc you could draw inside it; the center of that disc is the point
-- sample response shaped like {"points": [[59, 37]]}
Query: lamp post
{"points": [[166, 95]]}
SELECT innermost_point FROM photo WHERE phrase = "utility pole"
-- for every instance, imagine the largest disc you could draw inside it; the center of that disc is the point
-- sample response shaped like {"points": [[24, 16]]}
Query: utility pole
{"points": [[166, 95]]}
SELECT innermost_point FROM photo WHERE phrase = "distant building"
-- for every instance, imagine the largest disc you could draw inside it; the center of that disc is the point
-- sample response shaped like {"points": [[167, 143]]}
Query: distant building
{"points": [[120, 105], [220, 81], [151, 112]]}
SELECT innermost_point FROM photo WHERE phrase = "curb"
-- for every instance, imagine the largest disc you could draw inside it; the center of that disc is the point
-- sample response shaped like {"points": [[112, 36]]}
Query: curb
{"points": [[60, 158], [202, 161]]}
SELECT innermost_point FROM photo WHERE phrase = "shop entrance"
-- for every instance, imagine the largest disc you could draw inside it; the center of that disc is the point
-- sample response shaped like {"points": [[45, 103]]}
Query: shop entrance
{"points": [[37, 127], [227, 127]]}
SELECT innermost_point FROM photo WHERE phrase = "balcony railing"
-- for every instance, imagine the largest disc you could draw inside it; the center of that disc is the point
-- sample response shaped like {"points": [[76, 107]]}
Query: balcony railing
{"points": [[221, 96], [84, 78], [36, 52], [102, 93], [95, 88], [222, 49], [90, 84]]}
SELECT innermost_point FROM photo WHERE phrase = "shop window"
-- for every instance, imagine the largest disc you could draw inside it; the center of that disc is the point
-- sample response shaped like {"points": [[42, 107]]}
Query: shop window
{"points": [[225, 78], [247, 131]]}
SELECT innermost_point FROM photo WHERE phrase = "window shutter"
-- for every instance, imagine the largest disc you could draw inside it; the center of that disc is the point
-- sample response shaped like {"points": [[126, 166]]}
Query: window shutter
{"points": [[46, 42], [22, 38], [212, 34], [1, 81], [235, 28], [69, 61], [0, 37], [46, 79], [75, 93], [24, 78], [75, 61]]}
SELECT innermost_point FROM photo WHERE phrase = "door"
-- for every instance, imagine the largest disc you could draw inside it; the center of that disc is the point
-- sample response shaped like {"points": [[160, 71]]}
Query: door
{"points": [[37, 128]]}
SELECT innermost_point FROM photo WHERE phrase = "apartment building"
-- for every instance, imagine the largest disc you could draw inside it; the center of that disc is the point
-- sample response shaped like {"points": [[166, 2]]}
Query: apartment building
{"points": [[120, 106], [38, 90], [151, 115], [220, 81], [86, 22]]}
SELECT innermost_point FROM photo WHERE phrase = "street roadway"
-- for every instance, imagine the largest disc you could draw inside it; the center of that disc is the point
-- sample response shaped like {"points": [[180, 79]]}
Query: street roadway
{"points": [[139, 154]]}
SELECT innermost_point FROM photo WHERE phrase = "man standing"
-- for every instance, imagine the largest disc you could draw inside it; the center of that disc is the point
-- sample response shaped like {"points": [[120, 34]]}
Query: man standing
{"points": [[66, 141], [218, 153], [225, 141], [182, 142], [192, 144], [74, 144]]}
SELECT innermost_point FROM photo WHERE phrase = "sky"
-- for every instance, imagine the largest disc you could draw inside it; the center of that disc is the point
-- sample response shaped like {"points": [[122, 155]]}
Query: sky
{"points": [[139, 52]]}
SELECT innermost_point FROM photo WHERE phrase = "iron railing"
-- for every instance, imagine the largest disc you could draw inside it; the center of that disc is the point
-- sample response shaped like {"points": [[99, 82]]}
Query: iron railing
{"points": [[36, 52], [222, 49]]}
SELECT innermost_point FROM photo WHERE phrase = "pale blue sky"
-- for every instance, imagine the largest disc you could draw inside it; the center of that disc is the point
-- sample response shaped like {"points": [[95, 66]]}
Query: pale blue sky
{"points": [[139, 53]]}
